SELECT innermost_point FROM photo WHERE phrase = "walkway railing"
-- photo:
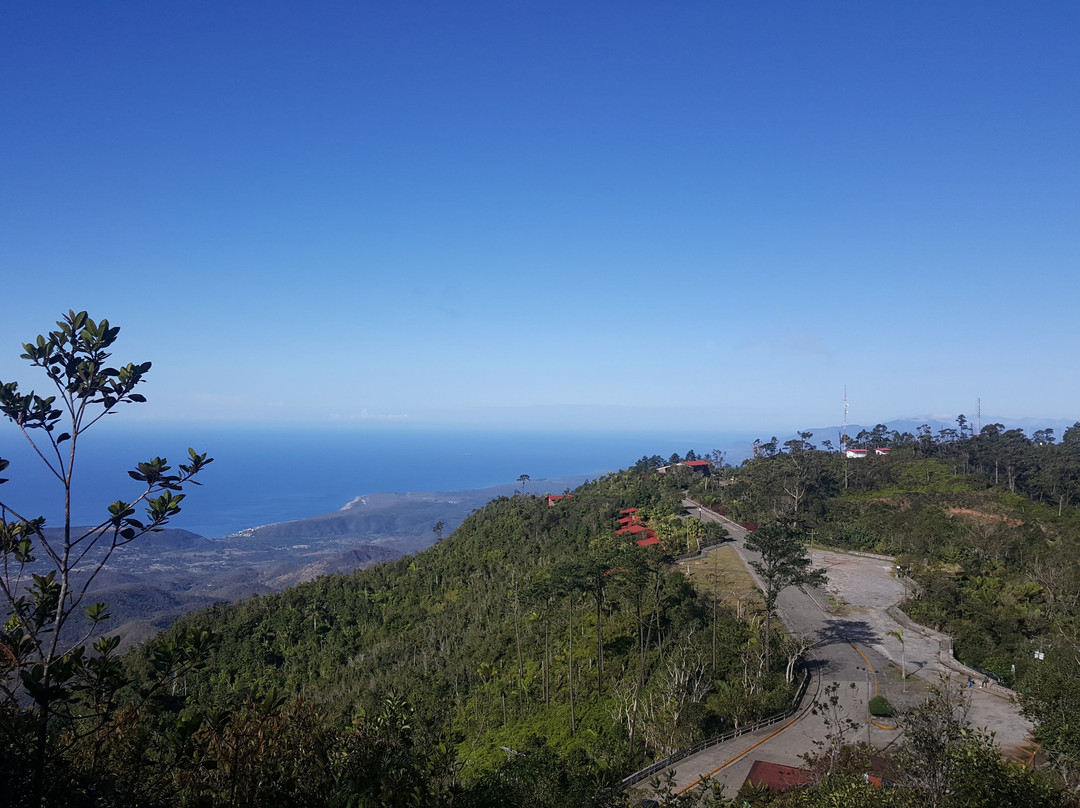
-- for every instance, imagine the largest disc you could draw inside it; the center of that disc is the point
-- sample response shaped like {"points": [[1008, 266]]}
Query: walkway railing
{"points": [[682, 754]]}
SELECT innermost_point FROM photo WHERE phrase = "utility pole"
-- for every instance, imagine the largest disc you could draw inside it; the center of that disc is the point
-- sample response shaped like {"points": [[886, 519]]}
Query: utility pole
{"points": [[868, 707], [843, 433], [715, 585], [867, 672]]}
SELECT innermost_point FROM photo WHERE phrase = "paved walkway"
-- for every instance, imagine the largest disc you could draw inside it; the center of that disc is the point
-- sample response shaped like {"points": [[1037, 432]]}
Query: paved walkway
{"points": [[851, 619]]}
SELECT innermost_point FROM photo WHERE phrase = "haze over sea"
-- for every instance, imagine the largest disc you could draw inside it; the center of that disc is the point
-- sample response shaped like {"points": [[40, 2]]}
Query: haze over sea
{"points": [[262, 475]]}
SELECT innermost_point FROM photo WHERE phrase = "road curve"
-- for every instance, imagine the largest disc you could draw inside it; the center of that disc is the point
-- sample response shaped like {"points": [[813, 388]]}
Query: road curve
{"points": [[849, 621]]}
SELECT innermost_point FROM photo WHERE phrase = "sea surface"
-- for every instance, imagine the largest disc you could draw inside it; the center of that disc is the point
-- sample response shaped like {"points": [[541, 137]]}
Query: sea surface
{"points": [[263, 475]]}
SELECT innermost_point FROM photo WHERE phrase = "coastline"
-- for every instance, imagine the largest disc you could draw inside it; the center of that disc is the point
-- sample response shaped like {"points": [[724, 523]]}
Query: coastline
{"points": [[157, 579]]}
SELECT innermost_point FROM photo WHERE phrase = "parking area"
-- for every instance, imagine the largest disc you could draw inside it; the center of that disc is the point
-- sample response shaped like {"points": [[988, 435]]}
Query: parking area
{"points": [[861, 641]]}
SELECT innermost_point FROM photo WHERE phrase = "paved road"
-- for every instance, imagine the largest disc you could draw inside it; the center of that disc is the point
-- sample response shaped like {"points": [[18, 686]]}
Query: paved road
{"points": [[850, 619]]}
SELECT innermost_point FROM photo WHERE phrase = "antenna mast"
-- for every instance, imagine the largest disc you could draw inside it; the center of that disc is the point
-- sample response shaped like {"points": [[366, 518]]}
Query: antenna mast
{"points": [[978, 416]]}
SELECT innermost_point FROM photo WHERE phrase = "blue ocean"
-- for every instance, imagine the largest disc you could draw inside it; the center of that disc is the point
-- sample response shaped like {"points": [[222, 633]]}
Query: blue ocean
{"points": [[262, 475]]}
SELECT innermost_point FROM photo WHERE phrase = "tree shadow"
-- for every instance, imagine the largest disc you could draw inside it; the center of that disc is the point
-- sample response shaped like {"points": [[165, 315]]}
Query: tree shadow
{"points": [[839, 631]]}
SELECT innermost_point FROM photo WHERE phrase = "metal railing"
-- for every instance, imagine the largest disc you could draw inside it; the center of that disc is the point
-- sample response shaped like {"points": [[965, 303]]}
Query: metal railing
{"points": [[682, 754]]}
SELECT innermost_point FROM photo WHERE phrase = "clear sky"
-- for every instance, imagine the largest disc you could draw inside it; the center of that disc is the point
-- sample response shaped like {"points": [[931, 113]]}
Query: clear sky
{"points": [[606, 214]]}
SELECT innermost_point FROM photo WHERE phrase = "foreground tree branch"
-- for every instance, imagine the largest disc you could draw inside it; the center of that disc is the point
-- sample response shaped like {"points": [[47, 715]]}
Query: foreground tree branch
{"points": [[54, 689]]}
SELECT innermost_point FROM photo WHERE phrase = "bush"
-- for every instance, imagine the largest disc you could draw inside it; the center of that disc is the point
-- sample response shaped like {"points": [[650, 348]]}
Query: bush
{"points": [[880, 707]]}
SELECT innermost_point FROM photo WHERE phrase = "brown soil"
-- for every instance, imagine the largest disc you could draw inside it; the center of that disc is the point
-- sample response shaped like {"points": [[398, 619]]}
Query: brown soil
{"points": [[983, 516]]}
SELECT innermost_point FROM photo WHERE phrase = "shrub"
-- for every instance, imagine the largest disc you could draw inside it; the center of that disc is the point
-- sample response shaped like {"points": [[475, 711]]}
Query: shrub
{"points": [[880, 707]]}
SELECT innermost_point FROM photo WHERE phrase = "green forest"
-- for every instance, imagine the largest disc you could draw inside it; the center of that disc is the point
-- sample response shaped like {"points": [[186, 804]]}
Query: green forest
{"points": [[536, 656], [986, 524]]}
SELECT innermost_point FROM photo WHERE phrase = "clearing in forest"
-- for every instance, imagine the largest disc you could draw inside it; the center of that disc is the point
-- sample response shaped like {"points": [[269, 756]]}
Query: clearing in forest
{"points": [[723, 575]]}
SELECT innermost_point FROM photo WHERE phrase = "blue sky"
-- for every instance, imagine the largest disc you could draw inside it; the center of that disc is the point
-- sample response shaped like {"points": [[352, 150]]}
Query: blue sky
{"points": [[598, 215]]}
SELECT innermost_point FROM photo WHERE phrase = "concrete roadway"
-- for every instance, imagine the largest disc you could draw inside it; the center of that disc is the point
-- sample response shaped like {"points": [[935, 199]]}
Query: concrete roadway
{"points": [[849, 620]]}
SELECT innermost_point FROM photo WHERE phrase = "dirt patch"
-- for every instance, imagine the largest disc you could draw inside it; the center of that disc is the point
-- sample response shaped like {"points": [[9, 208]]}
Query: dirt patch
{"points": [[983, 516]]}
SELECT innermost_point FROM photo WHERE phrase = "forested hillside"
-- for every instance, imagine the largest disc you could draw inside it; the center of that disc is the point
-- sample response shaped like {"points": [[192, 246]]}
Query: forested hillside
{"points": [[530, 625], [533, 657]]}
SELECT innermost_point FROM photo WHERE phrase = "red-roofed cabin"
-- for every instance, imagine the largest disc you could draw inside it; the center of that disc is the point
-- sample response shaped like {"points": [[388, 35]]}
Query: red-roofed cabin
{"points": [[637, 527], [776, 777], [626, 511], [553, 498], [648, 542], [704, 466]]}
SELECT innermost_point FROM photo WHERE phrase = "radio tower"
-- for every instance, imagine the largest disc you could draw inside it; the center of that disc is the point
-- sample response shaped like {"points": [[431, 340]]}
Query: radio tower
{"points": [[978, 416]]}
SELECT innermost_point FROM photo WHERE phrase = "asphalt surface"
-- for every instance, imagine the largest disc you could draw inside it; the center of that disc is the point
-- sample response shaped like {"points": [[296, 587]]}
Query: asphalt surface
{"points": [[850, 621]]}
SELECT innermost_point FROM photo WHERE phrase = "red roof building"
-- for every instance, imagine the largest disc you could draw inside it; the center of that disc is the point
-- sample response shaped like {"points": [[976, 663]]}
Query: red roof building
{"points": [[630, 525], [777, 777]]}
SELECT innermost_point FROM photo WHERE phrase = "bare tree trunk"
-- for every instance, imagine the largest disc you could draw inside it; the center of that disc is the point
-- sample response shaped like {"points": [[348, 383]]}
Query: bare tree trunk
{"points": [[573, 719], [517, 635], [768, 644], [599, 644], [547, 664]]}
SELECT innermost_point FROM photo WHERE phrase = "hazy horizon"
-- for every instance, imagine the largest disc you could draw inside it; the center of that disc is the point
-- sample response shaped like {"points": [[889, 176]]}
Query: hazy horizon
{"points": [[271, 473]]}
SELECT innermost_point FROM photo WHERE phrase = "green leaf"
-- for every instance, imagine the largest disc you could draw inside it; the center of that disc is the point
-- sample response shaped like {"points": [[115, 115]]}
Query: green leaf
{"points": [[103, 645], [97, 612], [120, 509]]}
